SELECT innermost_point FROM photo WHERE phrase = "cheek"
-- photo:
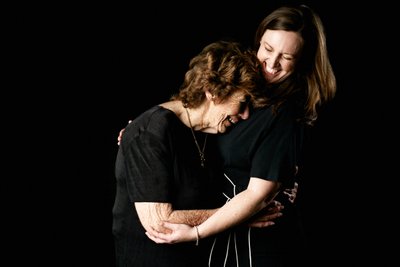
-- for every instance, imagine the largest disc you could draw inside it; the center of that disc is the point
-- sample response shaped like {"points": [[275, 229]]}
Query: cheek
{"points": [[260, 55], [234, 109], [221, 116], [288, 67]]}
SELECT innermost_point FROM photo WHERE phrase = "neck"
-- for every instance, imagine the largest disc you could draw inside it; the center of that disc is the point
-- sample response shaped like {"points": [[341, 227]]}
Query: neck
{"points": [[196, 119]]}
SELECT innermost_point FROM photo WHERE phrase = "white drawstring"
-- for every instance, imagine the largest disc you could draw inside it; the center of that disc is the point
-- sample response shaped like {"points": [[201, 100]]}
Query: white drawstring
{"points": [[234, 236]]}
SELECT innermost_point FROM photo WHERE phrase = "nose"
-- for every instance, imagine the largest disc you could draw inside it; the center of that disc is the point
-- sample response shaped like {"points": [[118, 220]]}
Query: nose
{"points": [[273, 61], [244, 115]]}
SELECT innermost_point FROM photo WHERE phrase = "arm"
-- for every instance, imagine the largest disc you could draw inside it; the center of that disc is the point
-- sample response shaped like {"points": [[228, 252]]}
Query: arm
{"points": [[152, 214], [244, 205]]}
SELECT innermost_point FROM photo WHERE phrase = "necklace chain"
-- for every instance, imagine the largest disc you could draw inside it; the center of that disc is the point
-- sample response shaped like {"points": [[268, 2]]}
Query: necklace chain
{"points": [[201, 151]]}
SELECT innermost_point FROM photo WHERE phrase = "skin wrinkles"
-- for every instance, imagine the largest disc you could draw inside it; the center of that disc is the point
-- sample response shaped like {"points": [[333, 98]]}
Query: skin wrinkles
{"points": [[152, 215], [215, 118]]}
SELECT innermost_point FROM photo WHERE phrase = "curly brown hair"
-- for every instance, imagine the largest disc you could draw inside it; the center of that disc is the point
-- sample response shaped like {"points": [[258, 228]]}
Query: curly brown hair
{"points": [[222, 68]]}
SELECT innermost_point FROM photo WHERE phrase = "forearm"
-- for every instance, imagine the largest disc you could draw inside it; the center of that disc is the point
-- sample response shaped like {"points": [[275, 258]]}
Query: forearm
{"points": [[190, 217], [241, 207], [236, 211], [151, 214]]}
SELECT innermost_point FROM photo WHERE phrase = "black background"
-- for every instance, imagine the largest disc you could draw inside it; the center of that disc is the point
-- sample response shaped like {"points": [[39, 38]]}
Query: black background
{"points": [[89, 68]]}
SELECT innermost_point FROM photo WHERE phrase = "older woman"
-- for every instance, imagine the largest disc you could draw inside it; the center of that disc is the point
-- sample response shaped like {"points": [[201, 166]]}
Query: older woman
{"points": [[166, 164]]}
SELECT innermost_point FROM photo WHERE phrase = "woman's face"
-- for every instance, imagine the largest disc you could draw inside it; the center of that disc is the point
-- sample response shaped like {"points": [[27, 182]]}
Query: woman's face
{"points": [[228, 112], [279, 51]]}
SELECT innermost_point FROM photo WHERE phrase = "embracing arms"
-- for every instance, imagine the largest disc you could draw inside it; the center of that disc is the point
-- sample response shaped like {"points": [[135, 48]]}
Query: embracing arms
{"points": [[239, 209], [152, 214]]}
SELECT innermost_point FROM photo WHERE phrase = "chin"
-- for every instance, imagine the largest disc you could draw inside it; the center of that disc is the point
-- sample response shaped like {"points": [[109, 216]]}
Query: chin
{"points": [[275, 78], [222, 129]]}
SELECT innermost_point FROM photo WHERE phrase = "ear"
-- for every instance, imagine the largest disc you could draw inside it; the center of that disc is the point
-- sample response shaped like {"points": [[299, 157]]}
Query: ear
{"points": [[210, 97]]}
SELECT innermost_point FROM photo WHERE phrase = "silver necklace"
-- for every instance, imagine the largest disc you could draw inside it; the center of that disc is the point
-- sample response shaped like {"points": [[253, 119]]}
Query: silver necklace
{"points": [[201, 151]]}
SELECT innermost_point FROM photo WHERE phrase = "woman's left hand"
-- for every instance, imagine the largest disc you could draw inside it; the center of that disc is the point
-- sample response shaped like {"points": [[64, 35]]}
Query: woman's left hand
{"points": [[179, 233]]}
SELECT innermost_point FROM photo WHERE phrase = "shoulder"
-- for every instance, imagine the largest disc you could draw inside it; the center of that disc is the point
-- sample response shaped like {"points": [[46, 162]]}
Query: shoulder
{"points": [[273, 118], [288, 109], [154, 121]]}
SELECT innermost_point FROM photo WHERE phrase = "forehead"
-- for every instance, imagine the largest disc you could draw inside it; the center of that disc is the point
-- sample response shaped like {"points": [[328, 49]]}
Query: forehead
{"points": [[283, 41]]}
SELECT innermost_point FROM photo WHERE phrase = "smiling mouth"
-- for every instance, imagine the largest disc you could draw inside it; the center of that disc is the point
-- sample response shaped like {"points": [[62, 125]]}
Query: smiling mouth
{"points": [[231, 120]]}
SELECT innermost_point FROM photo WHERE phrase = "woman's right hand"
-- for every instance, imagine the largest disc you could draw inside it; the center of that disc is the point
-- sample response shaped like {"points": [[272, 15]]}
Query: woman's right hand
{"points": [[267, 216], [119, 138], [291, 193]]}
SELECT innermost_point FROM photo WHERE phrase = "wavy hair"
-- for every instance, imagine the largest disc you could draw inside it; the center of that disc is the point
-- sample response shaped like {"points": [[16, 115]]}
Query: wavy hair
{"points": [[313, 81], [222, 68]]}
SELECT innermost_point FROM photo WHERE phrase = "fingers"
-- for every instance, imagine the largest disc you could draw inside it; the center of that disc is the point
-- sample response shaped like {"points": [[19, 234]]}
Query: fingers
{"points": [[261, 224], [274, 206], [274, 203], [265, 220], [291, 192], [156, 239], [270, 217], [295, 188], [119, 138], [291, 196], [156, 236]]}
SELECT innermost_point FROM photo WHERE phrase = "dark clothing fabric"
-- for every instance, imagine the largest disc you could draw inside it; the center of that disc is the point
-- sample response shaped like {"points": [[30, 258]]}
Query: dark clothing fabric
{"points": [[264, 146], [158, 161]]}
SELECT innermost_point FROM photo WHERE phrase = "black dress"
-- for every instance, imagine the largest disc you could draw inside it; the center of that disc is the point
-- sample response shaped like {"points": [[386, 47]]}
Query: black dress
{"points": [[264, 146], [158, 162]]}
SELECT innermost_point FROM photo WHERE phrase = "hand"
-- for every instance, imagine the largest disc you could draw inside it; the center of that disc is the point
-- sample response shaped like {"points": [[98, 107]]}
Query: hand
{"points": [[179, 233], [265, 217], [292, 192], [119, 138]]}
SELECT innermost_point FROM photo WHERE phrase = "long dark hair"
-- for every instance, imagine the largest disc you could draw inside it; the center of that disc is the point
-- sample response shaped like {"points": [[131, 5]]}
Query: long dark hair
{"points": [[313, 81]]}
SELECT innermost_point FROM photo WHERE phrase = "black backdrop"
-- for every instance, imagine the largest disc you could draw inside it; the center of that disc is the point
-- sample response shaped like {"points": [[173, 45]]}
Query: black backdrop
{"points": [[102, 64]]}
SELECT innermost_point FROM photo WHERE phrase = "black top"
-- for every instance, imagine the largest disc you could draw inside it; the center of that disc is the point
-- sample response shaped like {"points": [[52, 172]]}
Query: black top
{"points": [[158, 161], [264, 146]]}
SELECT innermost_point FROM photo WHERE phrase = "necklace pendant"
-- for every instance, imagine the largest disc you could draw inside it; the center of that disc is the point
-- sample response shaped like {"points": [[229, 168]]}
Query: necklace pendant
{"points": [[202, 160], [201, 151]]}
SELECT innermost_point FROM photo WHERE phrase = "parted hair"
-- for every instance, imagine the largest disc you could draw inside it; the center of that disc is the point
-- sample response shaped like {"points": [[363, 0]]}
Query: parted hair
{"points": [[222, 68], [313, 79]]}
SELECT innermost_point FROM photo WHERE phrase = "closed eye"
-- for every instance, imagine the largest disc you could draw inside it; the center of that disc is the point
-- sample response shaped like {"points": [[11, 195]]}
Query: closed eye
{"points": [[243, 104]]}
